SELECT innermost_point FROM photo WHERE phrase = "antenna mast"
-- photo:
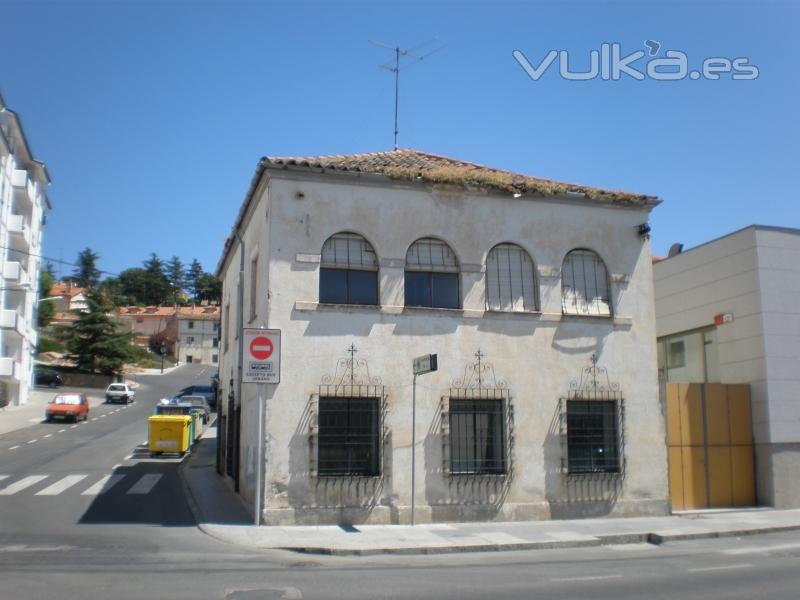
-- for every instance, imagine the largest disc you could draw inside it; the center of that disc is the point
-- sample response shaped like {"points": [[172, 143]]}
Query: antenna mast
{"points": [[394, 66]]}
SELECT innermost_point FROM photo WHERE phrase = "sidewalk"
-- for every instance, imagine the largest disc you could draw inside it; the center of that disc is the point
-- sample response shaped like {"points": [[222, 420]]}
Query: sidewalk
{"points": [[221, 514], [19, 417]]}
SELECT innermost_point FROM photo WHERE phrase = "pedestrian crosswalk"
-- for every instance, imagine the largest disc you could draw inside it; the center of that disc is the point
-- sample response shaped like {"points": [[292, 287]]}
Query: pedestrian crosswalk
{"points": [[55, 485]]}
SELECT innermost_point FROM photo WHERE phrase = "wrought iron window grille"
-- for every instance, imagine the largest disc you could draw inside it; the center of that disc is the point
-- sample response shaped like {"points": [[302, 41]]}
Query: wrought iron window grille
{"points": [[510, 280], [348, 271], [478, 424], [348, 432], [591, 423], [585, 285]]}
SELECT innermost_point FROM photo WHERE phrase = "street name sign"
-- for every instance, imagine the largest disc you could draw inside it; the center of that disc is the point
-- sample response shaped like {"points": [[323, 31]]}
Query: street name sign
{"points": [[425, 364], [262, 356]]}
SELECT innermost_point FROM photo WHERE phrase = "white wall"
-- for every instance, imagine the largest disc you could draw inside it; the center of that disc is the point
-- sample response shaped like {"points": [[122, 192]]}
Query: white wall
{"points": [[537, 354]]}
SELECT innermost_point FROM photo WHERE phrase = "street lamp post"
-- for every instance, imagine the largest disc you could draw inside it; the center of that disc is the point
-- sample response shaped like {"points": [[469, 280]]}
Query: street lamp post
{"points": [[420, 366], [163, 352]]}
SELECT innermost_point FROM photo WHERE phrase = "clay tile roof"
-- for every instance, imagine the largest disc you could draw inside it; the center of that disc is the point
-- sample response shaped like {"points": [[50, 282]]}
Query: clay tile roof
{"points": [[410, 165]]}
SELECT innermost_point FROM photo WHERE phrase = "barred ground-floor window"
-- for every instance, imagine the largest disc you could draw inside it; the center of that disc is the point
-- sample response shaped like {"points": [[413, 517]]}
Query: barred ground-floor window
{"points": [[349, 436], [477, 437], [593, 436]]}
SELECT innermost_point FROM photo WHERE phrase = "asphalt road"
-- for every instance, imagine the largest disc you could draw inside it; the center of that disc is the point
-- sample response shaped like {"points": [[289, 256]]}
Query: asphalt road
{"points": [[63, 537]]}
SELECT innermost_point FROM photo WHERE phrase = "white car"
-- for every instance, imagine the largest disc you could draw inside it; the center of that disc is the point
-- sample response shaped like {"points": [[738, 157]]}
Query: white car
{"points": [[120, 392]]}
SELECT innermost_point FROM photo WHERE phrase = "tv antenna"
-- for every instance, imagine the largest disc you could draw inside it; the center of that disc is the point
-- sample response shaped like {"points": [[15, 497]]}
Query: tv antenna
{"points": [[407, 57]]}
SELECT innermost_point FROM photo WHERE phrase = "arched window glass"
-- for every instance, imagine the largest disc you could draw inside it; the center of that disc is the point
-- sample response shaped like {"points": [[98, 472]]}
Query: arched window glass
{"points": [[348, 271], [431, 277], [510, 279], [584, 285]]}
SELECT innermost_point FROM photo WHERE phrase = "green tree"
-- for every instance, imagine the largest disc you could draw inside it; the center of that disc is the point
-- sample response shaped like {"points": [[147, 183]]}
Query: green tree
{"points": [[46, 309], [86, 273], [158, 290], [193, 276], [209, 288], [95, 342], [176, 277]]}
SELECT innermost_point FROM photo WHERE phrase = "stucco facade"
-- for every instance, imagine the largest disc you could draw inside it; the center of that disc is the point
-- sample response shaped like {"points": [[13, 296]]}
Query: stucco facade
{"points": [[535, 358], [198, 335], [752, 277]]}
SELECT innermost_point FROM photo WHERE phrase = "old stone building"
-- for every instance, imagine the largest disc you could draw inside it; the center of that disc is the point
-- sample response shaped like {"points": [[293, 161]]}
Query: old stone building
{"points": [[536, 296]]}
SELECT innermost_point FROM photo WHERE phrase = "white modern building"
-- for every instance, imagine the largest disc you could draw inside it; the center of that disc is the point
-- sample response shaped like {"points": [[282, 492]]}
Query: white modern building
{"points": [[536, 296], [727, 312], [197, 340], [23, 206]]}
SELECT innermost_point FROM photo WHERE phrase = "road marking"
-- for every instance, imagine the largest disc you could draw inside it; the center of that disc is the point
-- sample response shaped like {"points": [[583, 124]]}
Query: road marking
{"points": [[145, 484], [61, 430], [74, 426], [22, 484], [105, 484], [594, 578], [102, 416], [130, 456], [3, 477], [760, 549], [61, 485], [31, 441], [14, 447], [49, 435], [94, 418], [722, 568], [124, 407], [34, 420]]}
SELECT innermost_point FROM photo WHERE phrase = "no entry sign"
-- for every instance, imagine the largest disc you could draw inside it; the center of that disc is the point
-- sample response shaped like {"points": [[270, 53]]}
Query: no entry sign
{"points": [[262, 356]]}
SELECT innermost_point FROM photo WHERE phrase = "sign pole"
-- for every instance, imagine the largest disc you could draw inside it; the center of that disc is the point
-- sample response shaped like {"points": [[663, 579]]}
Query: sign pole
{"points": [[259, 453], [413, 448]]}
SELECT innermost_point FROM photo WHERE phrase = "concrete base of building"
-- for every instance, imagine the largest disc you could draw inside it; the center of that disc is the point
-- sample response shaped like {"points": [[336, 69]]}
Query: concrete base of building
{"points": [[778, 475], [529, 511]]}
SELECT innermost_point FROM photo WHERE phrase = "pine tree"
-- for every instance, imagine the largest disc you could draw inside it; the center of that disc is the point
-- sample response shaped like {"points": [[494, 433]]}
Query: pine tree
{"points": [[158, 288], [94, 340], [46, 309], [194, 275], [86, 273], [176, 277]]}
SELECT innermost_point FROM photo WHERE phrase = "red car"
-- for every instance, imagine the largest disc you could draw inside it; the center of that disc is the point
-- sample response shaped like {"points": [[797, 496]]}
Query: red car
{"points": [[67, 406]]}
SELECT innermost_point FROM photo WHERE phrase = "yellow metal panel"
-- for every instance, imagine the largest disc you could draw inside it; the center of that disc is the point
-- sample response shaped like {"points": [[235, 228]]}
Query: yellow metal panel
{"points": [[744, 489], [676, 478], [691, 408], [717, 423], [673, 414], [694, 477], [719, 476], [739, 401]]}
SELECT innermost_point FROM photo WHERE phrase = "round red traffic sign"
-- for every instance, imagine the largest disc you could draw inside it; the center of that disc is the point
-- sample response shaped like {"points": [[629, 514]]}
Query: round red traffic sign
{"points": [[261, 348]]}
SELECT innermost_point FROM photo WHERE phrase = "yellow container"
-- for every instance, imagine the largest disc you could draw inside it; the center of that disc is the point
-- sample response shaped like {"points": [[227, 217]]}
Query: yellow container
{"points": [[169, 433]]}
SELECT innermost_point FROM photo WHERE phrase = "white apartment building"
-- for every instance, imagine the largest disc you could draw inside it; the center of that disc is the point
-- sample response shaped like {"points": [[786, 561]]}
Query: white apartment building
{"points": [[198, 335], [536, 296], [23, 206]]}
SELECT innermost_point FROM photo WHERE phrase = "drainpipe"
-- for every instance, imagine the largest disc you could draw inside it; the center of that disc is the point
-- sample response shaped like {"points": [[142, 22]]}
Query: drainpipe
{"points": [[240, 326]]}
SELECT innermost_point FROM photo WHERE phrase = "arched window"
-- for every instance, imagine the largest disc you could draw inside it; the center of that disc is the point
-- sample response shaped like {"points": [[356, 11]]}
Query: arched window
{"points": [[510, 279], [432, 275], [348, 271], [584, 284]]}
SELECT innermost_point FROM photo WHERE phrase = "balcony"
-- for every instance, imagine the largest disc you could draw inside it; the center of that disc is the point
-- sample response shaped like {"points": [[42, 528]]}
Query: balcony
{"points": [[12, 321], [9, 369], [18, 227], [24, 190], [14, 273]]}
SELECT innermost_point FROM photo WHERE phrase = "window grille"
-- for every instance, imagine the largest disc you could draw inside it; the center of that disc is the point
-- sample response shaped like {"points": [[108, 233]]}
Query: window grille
{"points": [[510, 279], [477, 422], [350, 425], [190, 324], [593, 413], [348, 271], [584, 285], [431, 275]]}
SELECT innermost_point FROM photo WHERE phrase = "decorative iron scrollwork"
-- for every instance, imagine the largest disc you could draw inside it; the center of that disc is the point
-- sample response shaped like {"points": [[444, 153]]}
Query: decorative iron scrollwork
{"points": [[352, 372], [479, 375], [593, 380]]}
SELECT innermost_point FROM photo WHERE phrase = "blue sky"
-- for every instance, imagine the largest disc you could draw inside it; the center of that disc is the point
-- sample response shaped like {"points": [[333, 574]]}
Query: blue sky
{"points": [[152, 116]]}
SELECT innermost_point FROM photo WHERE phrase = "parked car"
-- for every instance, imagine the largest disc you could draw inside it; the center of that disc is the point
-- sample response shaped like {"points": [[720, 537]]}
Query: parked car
{"points": [[120, 392], [197, 402], [46, 376], [67, 406], [207, 391]]}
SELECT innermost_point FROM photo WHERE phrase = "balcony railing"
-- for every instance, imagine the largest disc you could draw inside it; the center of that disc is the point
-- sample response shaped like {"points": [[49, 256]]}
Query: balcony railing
{"points": [[18, 226], [14, 273], [8, 368], [11, 320]]}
